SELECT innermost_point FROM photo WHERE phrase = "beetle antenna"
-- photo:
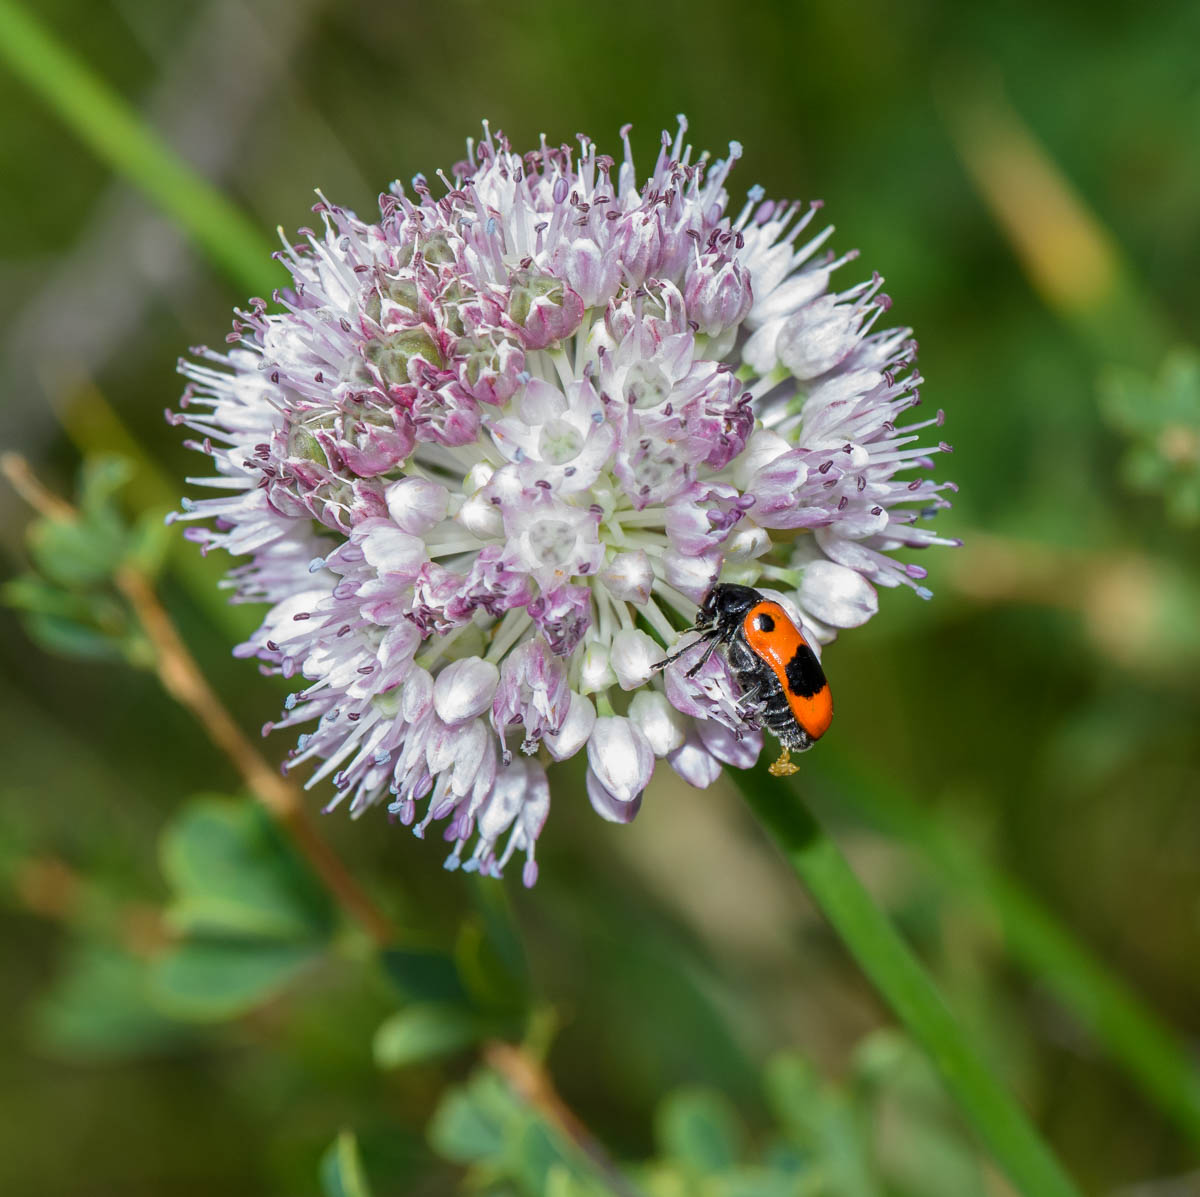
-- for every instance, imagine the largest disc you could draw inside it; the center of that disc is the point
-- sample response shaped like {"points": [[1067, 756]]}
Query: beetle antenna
{"points": [[687, 648]]}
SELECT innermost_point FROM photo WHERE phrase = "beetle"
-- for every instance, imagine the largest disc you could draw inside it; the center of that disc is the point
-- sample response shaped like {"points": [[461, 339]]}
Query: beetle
{"points": [[783, 685]]}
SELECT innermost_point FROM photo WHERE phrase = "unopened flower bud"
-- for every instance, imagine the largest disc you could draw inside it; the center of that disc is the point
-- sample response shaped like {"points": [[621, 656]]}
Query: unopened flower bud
{"points": [[464, 689], [633, 654], [620, 756], [664, 727], [417, 504]]}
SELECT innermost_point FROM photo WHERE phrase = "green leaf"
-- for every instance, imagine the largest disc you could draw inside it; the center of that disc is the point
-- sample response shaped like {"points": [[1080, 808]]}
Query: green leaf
{"points": [[211, 979], [537, 1154], [424, 975], [700, 1128], [920, 1145], [424, 1032], [821, 1119], [100, 478], [66, 638], [234, 874], [149, 542], [762, 1182], [100, 1009], [1160, 416], [484, 1124], [35, 595], [84, 551], [341, 1169], [560, 1181], [468, 1126], [91, 624], [75, 553]]}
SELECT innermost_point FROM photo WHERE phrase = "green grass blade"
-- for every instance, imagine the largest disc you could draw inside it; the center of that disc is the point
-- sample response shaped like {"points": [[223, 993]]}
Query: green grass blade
{"points": [[904, 984], [1153, 1056], [118, 134]]}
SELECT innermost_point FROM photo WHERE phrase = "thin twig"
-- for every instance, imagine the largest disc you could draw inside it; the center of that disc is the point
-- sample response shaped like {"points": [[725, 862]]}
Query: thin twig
{"points": [[533, 1085], [183, 680], [22, 479]]}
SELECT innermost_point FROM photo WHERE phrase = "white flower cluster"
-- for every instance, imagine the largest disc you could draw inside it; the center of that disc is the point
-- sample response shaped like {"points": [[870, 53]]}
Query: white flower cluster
{"points": [[489, 452]]}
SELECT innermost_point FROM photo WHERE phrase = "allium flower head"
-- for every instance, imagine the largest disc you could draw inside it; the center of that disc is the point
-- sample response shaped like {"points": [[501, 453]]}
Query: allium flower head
{"points": [[487, 454]]}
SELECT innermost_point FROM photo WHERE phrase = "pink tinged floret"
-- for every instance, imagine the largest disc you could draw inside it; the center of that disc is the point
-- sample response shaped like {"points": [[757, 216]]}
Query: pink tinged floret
{"points": [[620, 756], [709, 694], [590, 272], [489, 366], [464, 689], [717, 293], [520, 801], [563, 615], [388, 550], [693, 575], [629, 576], [533, 695], [701, 517], [737, 747], [416, 700], [694, 763], [548, 538], [575, 730], [560, 440], [443, 598], [639, 245], [826, 331], [541, 309], [836, 595], [649, 314], [416, 505], [607, 805], [445, 415], [633, 657], [664, 727], [777, 488]]}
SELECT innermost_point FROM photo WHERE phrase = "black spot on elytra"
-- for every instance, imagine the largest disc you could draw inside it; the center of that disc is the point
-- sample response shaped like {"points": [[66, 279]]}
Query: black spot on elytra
{"points": [[804, 674], [764, 623]]}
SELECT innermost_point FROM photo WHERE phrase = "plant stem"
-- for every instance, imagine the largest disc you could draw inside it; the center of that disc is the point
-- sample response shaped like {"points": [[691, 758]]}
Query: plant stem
{"points": [[1155, 1058], [27, 484], [183, 681], [904, 985], [118, 135], [534, 1086]]}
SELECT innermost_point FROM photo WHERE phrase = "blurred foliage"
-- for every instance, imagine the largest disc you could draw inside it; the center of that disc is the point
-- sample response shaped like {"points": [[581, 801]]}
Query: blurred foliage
{"points": [[342, 1171], [889, 1130], [245, 914], [67, 598], [1042, 709], [1161, 417]]}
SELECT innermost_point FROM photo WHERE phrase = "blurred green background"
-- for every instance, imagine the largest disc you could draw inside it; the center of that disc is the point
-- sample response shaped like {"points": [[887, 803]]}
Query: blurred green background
{"points": [[1026, 177]]}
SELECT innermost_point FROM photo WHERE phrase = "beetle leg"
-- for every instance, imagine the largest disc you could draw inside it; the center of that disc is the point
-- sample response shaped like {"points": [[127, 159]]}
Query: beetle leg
{"points": [[708, 652], [748, 698], [687, 648]]}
